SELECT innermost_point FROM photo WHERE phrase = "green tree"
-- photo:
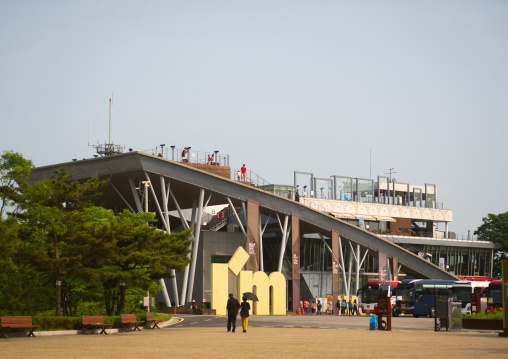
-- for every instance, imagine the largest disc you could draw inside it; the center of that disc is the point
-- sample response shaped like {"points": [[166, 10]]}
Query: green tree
{"points": [[495, 229], [140, 252], [51, 214]]}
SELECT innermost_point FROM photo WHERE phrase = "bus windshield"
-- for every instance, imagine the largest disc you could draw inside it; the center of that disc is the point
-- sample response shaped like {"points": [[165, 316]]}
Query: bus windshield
{"points": [[461, 294], [370, 295], [404, 291], [495, 297]]}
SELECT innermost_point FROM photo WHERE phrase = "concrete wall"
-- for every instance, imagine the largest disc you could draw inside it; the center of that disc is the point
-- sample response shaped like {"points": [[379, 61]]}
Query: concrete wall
{"points": [[215, 243]]}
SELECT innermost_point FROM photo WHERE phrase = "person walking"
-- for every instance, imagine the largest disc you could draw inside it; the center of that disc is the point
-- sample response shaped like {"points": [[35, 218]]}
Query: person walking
{"points": [[244, 313], [337, 305], [313, 308], [319, 306], [232, 310], [350, 308]]}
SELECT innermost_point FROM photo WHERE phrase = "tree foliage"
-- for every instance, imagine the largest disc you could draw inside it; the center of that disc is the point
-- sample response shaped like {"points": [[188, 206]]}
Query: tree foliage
{"points": [[50, 231], [495, 229]]}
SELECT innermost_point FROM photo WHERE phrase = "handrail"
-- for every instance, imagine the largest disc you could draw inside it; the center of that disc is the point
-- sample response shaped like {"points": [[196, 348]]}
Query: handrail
{"points": [[199, 157], [251, 177]]}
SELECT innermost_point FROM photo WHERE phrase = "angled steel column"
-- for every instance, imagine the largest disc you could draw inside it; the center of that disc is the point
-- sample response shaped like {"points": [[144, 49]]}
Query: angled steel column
{"points": [[252, 222], [168, 230], [187, 267], [295, 260], [180, 213], [123, 198], [283, 241], [237, 217], [358, 264], [197, 230], [350, 269], [335, 269], [341, 257], [139, 207]]}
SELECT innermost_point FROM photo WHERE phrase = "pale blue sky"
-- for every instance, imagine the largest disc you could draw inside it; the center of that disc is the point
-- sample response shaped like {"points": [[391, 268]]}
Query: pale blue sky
{"points": [[279, 85]]}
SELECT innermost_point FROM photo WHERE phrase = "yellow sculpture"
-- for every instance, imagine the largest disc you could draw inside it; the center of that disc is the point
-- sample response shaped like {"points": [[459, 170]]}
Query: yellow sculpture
{"points": [[246, 282]]}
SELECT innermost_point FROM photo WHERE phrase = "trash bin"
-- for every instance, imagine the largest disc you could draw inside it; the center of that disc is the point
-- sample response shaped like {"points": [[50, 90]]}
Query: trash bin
{"points": [[448, 314]]}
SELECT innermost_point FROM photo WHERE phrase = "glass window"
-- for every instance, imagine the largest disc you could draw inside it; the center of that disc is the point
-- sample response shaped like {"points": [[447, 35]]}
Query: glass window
{"points": [[343, 188], [430, 195], [323, 188], [363, 191]]}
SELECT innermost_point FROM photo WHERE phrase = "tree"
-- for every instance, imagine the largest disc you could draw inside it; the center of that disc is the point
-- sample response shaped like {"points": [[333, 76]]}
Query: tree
{"points": [[50, 216], [140, 252], [495, 229], [22, 286]]}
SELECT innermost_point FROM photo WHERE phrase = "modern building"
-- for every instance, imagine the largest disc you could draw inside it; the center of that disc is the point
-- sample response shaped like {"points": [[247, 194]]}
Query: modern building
{"points": [[343, 231]]}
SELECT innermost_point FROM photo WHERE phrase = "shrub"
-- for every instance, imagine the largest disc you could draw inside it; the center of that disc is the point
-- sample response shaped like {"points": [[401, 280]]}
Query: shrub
{"points": [[57, 323], [498, 315]]}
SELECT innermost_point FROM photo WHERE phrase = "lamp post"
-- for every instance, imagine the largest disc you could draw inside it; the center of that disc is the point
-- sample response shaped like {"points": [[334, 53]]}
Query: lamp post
{"points": [[172, 153], [147, 184]]}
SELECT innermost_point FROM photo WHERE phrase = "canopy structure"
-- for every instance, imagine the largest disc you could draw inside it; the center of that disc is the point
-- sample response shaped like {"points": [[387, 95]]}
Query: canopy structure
{"points": [[173, 186]]}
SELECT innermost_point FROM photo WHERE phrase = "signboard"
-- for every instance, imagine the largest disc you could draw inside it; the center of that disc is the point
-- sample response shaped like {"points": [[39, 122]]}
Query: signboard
{"points": [[384, 308]]}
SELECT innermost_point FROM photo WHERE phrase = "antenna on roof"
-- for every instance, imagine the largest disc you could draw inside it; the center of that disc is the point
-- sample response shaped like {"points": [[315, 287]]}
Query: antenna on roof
{"points": [[109, 149], [391, 171]]}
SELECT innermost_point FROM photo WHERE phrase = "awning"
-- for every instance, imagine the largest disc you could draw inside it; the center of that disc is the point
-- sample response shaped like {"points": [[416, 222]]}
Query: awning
{"points": [[384, 218]]}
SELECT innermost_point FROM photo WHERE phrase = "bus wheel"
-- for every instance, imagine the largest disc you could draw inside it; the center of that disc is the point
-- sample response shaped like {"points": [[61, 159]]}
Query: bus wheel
{"points": [[415, 315], [432, 313]]}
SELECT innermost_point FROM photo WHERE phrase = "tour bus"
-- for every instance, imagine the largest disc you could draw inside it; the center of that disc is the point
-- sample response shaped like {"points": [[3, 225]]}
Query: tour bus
{"points": [[372, 290], [462, 290], [418, 296], [494, 295]]}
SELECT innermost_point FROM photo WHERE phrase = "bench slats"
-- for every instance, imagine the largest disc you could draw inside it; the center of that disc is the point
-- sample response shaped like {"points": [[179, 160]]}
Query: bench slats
{"points": [[89, 321], [17, 322]]}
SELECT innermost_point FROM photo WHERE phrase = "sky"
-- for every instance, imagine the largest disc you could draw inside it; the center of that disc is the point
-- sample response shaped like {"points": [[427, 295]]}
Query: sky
{"points": [[349, 88]]}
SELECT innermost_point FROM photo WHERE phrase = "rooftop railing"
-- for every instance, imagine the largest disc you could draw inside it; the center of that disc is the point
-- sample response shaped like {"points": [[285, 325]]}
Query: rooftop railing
{"points": [[250, 177], [190, 156]]}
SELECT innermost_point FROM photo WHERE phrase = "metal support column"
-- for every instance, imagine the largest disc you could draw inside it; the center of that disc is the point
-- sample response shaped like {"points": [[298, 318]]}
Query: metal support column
{"points": [[335, 269], [252, 222], [295, 260], [197, 230]]}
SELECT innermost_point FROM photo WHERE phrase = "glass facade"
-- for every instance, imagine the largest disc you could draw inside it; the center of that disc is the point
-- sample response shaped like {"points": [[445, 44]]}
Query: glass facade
{"points": [[363, 190], [323, 188], [430, 195], [343, 187], [280, 190]]}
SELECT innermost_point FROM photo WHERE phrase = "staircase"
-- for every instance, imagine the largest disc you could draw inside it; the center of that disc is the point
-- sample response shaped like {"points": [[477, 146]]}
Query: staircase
{"points": [[217, 222]]}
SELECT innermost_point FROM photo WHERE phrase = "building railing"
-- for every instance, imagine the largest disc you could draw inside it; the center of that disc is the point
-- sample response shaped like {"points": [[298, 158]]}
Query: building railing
{"points": [[200, 157], [435, 237], [250, 177]]}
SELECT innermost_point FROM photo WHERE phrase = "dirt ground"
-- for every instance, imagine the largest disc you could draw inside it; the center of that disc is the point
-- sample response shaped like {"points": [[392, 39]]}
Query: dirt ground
{"points": [[260, 343]]}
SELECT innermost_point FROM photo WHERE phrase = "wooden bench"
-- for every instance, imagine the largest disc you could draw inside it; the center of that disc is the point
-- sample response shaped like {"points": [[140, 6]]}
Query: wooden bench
{"points": [[150, 318], [130, 319], [94, 321], [17, 322]]}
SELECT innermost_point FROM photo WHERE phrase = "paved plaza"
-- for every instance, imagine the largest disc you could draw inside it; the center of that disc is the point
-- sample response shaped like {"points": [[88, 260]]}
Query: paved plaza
{"points": [[267, 337]]}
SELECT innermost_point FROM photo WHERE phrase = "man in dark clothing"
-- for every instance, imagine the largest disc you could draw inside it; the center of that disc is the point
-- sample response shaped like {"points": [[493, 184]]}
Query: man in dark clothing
{"points": [[232, 310]]}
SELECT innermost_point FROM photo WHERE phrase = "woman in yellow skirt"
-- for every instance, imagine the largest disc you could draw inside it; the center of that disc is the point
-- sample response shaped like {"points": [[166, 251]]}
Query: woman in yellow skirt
{"points": [[244, 313]]}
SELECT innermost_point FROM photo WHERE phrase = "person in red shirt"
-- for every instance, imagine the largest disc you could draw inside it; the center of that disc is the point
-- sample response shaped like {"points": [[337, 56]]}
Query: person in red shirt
{"points": [[244, 172]]}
